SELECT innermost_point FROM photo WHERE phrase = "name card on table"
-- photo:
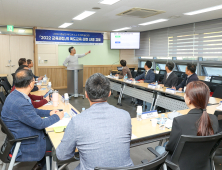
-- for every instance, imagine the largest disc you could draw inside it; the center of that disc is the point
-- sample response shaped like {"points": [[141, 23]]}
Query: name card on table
{"points": [[152, 86], [73, 112], [149, 114], [169, 90]]}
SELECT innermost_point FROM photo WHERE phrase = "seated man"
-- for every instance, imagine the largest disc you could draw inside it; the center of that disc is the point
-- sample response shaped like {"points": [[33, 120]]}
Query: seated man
{"points": [[170, 78], [35, 88], [23, 120], [30, 65], [149, 77], [101, 133], [191, 76]]}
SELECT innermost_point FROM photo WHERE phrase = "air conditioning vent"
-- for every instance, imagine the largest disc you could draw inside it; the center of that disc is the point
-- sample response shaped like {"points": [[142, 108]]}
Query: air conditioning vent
{"points": [[140, 12]]}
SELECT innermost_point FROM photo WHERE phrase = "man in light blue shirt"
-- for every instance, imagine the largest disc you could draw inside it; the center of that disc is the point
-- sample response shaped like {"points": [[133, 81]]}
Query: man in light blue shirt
{"points": [[101, 133]]}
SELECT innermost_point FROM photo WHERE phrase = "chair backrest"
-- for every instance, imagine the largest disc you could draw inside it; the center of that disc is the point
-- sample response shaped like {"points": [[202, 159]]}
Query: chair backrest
{"points": [[162, 72], [6, 80], [140, 71], [216, 79], [179, 73], [196, 151], [6, 87], [180, 79], [2, 97], [157, 77], [218, 92], [155, 164], [7, 146], [131, 69]]}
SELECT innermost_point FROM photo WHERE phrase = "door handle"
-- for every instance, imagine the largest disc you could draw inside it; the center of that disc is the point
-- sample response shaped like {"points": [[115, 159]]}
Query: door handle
{"points": [[12, 65], [7, 66]]}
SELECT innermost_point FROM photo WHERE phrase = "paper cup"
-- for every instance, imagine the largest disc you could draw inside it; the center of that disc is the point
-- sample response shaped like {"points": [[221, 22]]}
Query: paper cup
{"points": [[154, 122]]}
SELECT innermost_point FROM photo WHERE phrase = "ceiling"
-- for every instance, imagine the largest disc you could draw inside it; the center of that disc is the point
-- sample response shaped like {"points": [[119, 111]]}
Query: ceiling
{"points": [[53, 13]]}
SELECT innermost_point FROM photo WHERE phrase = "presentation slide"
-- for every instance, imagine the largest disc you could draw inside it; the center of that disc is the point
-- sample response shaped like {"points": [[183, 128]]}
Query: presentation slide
{"points": [[125, 40]]}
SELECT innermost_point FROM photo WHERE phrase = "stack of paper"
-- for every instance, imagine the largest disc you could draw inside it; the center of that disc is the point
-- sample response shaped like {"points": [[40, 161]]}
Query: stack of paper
{"points": [[62, 122]]}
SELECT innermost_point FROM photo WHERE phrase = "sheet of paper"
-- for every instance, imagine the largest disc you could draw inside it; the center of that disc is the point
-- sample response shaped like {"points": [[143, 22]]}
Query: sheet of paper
{"points": [[48, 104], [63, 122], [133, 136]]}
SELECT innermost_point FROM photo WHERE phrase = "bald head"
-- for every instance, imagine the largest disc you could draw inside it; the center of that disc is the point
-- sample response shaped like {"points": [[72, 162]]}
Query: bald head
{"points": [[23, 78]]}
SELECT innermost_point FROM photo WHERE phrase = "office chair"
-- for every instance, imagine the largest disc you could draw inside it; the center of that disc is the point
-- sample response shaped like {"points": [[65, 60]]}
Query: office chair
{"points": [[9, 142], [157, 77], [189, 152], [6, 80], [162, 73], [132, 72], [6, 87], [140, 71], [218, 92], [155, 164], [2, 98], [179, 73], [216, 79], [180, 79]]}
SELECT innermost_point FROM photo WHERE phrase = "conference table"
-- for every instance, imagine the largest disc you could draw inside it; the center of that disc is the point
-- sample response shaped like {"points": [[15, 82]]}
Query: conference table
{"points": [[3, 75], [142, 131], [156, 96]]}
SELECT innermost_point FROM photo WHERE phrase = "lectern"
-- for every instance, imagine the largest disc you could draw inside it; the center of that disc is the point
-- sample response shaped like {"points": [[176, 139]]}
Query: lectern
{"points": [[75, 80]]}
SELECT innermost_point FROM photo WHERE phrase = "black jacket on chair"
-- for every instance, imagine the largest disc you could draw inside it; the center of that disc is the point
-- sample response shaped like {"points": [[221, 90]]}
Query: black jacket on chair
{"points": [[172, 80], [187, 80], [187, 125]]}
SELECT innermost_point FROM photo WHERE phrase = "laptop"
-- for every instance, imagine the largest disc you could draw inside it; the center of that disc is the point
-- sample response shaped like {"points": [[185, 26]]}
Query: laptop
{"points": [[119, 68]]}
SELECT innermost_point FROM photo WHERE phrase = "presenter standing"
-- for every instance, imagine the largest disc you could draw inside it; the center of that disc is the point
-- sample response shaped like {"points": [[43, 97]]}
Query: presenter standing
{"points": [[72, 59]]}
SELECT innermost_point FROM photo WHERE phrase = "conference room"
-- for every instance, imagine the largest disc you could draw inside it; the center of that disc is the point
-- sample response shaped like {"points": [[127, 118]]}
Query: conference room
{"points": [[111, 84]]}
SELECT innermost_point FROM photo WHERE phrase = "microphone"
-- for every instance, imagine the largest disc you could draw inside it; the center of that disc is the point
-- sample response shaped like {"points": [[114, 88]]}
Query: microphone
{"points": [[112, 65]]}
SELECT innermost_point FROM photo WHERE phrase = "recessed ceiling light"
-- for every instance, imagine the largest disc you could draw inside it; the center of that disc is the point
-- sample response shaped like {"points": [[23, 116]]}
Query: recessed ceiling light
{"points": [[21, 31], [108, 2], [204, 10], [154, 22], [125, 28], [65, 25], [84, 15]]}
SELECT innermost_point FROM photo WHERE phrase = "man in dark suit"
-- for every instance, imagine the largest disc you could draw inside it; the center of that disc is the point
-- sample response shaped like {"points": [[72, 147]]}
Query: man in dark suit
{"points": [[30, 65], [170, 78], [191, 76], [23, 120], [148, 75]]}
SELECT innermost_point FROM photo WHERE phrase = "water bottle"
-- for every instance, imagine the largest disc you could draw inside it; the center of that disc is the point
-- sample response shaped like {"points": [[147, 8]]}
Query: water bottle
{"points": [[139, 113], [55, 98], [162, 122], [83, 109], [110, 74], [126, 77], [66, 98], [49, 85], [156, 83], [184, 89]]}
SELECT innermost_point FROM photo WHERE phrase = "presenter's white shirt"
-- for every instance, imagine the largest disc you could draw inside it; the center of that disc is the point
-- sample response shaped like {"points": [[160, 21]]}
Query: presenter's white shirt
{"points": [[72, 59]]}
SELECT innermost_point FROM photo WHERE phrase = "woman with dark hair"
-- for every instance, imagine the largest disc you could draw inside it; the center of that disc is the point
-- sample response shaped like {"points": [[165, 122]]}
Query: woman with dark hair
{"points": [[197, 121]]}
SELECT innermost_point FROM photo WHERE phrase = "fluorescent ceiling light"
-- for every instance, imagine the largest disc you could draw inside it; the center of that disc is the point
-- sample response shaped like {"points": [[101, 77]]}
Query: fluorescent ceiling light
{"points": [[108, 2], [84, 15], [21, 31], [154, 22], [65, 25], [204, 10], [125, 28]]}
